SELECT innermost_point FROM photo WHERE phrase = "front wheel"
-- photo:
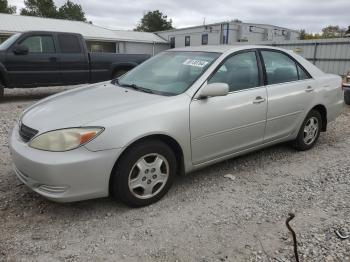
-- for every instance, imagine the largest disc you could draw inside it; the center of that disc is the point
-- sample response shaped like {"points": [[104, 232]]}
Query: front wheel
{"points": [[309, 131], [144, 173]]}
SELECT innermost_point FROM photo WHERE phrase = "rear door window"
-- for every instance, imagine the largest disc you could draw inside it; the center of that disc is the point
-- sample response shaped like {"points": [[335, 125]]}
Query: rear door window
{"points": [[69, 44], [280, 68]]}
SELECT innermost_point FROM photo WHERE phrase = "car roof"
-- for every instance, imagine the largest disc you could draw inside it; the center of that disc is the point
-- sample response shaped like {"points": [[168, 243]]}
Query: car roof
{"points": [[221, 48]]}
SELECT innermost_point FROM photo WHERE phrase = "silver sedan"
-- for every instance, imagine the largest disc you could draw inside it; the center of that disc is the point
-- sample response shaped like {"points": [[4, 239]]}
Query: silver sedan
{"points": [[182, 110]]}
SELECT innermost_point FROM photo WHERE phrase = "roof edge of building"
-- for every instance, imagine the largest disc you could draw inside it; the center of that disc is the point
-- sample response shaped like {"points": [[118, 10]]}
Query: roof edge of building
{"points": [[224, 22]]}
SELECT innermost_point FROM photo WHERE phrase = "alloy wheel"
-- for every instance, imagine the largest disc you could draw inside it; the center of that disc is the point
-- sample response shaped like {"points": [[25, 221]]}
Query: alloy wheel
{"points": [[311, 130], [148, 176]]}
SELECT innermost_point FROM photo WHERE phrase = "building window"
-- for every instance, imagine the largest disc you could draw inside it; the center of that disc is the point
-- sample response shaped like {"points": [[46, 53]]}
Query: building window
{"points": [[187, 40], [172, 42], [101, 47], [3, 39], [204, 39]]}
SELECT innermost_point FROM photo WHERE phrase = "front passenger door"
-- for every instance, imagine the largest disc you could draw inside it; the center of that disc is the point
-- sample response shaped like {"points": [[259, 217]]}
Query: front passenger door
{"points": [[224, 125]]}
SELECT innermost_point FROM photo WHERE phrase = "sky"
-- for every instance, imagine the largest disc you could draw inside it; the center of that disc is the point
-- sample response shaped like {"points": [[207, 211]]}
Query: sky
{"points": [[310, 15]]}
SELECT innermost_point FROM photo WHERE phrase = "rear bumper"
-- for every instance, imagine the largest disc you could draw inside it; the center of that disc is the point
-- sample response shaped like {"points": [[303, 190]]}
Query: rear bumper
{"points": [[63, 176]]}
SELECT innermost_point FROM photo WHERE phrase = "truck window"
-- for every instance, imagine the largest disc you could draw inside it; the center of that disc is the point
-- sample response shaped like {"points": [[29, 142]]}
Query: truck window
{"points": [[39, 44], [69, 44]]}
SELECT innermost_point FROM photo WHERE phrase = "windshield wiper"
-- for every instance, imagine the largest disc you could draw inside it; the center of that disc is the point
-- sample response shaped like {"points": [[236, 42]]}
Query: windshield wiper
{"points": [[136, 87]]}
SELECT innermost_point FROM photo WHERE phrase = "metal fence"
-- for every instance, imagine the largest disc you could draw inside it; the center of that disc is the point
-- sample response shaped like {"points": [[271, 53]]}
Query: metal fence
{"points": [[330, 55]]}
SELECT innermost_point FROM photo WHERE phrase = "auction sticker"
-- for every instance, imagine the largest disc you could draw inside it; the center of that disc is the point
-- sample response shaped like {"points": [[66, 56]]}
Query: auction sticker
{"points": [[196, 63]]}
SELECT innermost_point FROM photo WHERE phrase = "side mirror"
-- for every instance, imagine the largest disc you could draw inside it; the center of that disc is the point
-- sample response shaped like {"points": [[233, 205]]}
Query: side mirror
{"points": [[21, 50], [214, 89]]}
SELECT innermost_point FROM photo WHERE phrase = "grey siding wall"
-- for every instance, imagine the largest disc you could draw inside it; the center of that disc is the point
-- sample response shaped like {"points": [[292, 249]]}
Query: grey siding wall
{"points": [[236, 32], [141, 48]]}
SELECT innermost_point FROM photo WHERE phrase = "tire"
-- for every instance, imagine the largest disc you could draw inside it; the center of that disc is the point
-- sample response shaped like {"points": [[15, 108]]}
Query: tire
{"points": [[2, 87], [119, 72], [347, 97], [137, 180], [304, 140]]}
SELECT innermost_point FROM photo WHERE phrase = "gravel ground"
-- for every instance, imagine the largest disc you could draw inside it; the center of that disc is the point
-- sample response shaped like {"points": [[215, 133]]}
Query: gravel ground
{"points": [[205, 216]]}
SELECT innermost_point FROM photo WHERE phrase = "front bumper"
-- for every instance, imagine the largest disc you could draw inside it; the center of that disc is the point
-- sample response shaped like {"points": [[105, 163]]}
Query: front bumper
{"points": [[63, 176]]}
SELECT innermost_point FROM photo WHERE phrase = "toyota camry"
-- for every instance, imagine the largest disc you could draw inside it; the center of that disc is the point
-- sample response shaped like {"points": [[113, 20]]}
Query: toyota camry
{"points": [[179, 111]]}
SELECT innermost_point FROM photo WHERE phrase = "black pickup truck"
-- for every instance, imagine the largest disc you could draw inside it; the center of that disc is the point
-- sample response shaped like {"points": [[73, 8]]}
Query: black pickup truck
{"points": [[34, 59]]}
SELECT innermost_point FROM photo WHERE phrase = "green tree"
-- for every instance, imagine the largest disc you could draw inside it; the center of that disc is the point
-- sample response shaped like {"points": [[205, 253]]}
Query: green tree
{"points": [[333, 31], [306, 36], [41, 8], [154, 21], [348, 31], [6, 8], [71, 11], [302, 34]]}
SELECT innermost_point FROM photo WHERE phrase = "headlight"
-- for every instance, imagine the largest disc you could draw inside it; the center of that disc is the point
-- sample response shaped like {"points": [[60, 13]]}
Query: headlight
{"points": [[65, 139]]}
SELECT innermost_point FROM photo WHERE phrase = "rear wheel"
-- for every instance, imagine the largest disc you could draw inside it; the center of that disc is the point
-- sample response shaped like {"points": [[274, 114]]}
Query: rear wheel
{"points": [[144, 173], [347, 97], [309, 131]]}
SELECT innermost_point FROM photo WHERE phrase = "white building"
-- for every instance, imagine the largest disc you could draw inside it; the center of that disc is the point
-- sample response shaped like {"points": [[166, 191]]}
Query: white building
{"points": [[98, 39], [226, 33]]}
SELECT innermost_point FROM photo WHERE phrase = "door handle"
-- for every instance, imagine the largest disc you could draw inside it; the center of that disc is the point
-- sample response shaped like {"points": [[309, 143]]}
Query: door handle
{"points": [[259, 100], [309, 89]]}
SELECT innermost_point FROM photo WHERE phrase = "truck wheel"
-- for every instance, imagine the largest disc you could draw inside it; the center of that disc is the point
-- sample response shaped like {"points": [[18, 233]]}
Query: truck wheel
{"points": [[2, 87], [347, 97], [144, 173], [309, 131]]}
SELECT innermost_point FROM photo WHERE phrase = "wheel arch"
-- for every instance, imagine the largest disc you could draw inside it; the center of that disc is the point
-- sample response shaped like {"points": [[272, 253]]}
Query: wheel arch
{"points": [[3, 78], [323, 111], [168, 140]]}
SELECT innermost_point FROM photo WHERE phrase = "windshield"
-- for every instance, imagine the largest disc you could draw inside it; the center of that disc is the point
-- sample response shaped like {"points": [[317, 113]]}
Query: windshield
{"points": [[9, 41], [169, 73]]}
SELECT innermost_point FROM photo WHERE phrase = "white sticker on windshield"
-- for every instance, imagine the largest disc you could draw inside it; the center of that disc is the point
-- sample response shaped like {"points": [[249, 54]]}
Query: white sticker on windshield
{"points": [[196, 63]]}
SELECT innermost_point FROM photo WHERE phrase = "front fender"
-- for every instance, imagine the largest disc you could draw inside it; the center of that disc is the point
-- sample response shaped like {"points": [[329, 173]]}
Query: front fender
{"points": [[169, 118]]}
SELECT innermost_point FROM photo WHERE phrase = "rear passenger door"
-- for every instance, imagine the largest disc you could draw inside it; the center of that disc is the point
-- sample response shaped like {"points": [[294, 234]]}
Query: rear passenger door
{"points": [[36, 68], [289, 91], [74, 61]]}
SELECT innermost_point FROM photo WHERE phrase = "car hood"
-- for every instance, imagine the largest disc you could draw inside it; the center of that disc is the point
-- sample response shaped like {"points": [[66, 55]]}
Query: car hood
{"points": [[81, 106]]}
